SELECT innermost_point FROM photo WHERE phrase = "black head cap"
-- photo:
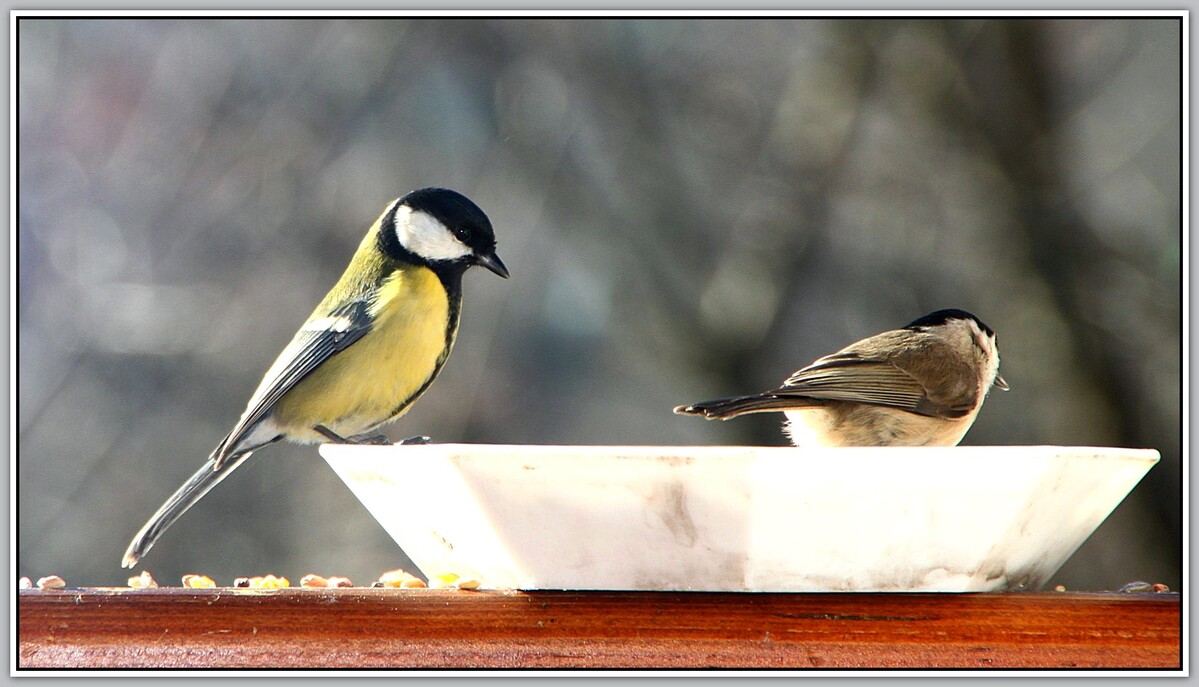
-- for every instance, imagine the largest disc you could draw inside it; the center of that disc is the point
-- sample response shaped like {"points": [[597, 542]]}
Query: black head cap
{"points": [[463, 218], [458, 213], [942, 316]]}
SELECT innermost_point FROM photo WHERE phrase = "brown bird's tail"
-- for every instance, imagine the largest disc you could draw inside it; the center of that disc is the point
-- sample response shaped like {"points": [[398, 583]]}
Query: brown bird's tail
{"points": [[725, 408]]}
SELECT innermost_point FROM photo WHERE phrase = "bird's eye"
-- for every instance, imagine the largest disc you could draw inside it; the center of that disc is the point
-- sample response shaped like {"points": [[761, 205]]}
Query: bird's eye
{"points": [[462, 233]]}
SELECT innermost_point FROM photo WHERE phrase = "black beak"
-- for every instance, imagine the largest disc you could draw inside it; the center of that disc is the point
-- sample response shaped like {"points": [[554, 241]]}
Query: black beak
{"points": [[492, 262]]}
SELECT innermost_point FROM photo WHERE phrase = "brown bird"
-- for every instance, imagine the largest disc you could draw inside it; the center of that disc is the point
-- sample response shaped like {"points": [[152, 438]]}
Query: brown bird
{"points": [[921, 385]]}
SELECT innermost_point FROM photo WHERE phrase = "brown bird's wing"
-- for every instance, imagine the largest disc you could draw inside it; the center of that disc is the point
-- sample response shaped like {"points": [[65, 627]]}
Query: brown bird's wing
{"points": [[856, 381], [892, 381], [883, 370]]}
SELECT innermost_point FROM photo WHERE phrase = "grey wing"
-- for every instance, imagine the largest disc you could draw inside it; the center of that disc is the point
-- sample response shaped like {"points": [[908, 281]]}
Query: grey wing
{"points": [[848, 377], [317, 341]]}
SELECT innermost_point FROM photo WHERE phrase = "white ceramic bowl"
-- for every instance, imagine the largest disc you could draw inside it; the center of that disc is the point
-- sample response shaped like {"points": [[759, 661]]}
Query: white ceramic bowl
{"points": [[736, 518]]}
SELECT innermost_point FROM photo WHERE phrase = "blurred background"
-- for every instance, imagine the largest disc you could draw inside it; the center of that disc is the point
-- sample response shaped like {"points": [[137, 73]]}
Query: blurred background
{"points": [[689, 208]]}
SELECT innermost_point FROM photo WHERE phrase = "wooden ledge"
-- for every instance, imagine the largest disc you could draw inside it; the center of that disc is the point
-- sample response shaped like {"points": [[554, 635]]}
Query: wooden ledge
{"points": [[424, 628]]}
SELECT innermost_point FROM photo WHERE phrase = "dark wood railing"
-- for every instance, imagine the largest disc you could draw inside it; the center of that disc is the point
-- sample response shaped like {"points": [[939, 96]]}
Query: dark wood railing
{"points": [[424, 628]]}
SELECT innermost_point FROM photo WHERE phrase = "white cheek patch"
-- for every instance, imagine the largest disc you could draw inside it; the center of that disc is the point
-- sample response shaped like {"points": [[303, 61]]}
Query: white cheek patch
{"points": [[422, 234], [986, 343]]}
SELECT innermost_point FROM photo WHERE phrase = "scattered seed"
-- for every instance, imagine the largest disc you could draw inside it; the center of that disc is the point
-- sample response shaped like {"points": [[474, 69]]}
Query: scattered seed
{"points": [[51, 582], [25, 583], [1137, 587], [270, 582], [399, 578], [337, 581], [1159, 588], [198, 582], [241, 582], [142, 581], [313, 581], [443, 581], [451, 580]]}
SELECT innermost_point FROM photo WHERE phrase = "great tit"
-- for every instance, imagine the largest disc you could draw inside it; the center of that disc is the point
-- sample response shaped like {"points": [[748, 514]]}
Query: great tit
{"points": [[369, 350], [918, 386]]}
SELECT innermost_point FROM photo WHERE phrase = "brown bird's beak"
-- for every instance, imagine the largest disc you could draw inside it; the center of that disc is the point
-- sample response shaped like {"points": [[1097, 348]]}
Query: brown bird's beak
{"points": [[1002, 383]]}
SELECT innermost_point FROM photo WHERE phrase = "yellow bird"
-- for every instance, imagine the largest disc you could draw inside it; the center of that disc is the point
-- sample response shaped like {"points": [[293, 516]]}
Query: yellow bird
{"points": [[369, 350]]}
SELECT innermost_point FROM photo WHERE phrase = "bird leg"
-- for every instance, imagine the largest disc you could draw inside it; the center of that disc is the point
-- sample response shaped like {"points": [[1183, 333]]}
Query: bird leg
{"points": [[371, 439]]}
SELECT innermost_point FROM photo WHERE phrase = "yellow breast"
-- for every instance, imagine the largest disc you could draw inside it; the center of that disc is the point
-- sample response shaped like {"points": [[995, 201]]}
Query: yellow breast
{"points": [[376, 378]]}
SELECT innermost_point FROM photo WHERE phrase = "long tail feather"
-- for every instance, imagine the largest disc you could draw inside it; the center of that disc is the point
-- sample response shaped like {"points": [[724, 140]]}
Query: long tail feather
{"points": [[726, 408], [185, 497]]}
